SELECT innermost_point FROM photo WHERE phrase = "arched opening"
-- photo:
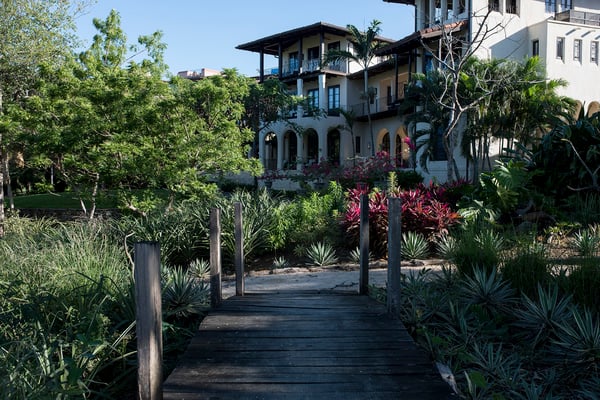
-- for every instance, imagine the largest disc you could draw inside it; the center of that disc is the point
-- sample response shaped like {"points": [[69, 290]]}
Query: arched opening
{"points": [[333, 146], [290, 150], [270, 161], [311, 146], [403, 155], [383, 141]]}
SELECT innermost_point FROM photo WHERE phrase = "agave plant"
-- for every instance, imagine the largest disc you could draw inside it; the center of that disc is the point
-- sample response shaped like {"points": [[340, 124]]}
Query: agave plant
{"points": [[414, 246], [355, 255], [280, 262], [446, 246], [321, 254], [488, 290], [587, 242], [183, 296], [578, 343], [543, 317]]}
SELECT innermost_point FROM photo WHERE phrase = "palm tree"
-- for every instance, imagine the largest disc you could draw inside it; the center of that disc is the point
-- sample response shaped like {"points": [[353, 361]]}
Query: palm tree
{"points": [[365, 46]]}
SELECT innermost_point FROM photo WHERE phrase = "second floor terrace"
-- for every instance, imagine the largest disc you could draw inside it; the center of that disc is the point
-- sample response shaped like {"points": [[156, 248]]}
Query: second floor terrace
{"points": [[579, 17], [302, 51]]}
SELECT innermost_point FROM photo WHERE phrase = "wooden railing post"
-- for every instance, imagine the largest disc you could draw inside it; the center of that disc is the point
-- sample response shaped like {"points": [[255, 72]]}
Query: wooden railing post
{"points": [[148, 320], [363, 287], [215, 257], [239, 250], [394, 253]]}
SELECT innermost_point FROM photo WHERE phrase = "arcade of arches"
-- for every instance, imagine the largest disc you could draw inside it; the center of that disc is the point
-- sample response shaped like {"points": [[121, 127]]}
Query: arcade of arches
{"points": [[292, 151]]}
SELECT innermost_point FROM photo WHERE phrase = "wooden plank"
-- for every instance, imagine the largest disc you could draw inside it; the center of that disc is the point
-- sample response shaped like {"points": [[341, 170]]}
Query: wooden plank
{"points": [[303, 346]]}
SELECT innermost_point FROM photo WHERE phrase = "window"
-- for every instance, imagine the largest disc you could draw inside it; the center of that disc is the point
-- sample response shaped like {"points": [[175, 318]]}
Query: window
{"points": [[294, 64], [550, 6], [560, 48], [494, 5], [594, 52], [313, 59], [333, 100], [577, 50], [312, 100], [357, 144], [535, 48], [565, 5], [511, 6]]}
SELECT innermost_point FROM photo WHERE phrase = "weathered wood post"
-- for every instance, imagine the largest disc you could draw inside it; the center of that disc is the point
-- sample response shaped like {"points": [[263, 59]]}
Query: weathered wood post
{"points": [[363, 287], [394, 254], [239, 250], [215, 257], [148, 320]]}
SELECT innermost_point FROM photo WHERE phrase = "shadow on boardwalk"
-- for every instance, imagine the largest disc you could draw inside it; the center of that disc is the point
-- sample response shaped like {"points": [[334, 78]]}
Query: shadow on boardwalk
{"points": [[303, 345]]}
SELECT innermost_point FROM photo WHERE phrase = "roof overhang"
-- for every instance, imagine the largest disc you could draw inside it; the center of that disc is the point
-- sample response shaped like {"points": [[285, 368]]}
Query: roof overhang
{"points": [[415, 39], [409, 2], [270, 44]]}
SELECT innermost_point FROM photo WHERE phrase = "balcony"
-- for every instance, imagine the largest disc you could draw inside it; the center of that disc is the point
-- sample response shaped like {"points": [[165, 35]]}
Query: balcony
{"points": [[578, 17], [378, 105]]}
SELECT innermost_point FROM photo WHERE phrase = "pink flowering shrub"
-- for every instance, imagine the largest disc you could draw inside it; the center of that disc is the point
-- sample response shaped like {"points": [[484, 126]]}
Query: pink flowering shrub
{"points": [[370, 170], [423, 211]]}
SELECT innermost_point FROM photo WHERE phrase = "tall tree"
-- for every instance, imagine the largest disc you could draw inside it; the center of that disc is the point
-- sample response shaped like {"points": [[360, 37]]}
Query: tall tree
{"points": [[107, 121], [31, 31], [365, 45]]}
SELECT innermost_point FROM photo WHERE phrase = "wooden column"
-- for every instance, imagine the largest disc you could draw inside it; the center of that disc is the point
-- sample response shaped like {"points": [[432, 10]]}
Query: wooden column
{"points": [[215, 257], [148, 320], [363, 287], [239, 250], [394, 254]]}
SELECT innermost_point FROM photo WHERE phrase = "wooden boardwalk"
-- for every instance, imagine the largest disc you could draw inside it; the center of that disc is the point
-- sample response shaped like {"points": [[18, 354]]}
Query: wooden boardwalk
{"points": [[303, 346]]}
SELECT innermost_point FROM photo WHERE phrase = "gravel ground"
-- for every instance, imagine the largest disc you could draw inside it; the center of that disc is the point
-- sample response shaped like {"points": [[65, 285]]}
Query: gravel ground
{"points": [[342, 278]]}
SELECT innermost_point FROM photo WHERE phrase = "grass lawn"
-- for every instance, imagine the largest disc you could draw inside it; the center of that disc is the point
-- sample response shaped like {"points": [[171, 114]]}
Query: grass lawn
{"points": [[60, 200]]}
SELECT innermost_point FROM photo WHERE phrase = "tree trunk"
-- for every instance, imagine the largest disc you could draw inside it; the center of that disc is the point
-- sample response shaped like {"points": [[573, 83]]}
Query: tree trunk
{"points": [[368, 100], [1, 179], [7, 180]]}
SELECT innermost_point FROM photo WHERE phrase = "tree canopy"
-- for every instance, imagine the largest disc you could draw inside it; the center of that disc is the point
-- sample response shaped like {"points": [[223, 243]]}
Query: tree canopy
{"points": [[104, 120]]}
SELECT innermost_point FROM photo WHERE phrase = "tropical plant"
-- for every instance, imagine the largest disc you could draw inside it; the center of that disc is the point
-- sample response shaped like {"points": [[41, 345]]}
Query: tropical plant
{"points": [[280, 263], [414, 246], [587, 241], [569, 157], [527, 267], [321, 254], [183, 295], [365, 45]]}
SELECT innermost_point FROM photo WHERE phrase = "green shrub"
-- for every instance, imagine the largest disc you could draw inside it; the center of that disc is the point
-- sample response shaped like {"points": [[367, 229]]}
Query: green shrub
{"points": [[477, 248], [315, 217], [583, 283], [527, 268]]}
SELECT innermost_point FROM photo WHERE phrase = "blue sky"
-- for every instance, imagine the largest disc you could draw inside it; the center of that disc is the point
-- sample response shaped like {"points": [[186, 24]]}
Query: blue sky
{"points": [[203, 33]]}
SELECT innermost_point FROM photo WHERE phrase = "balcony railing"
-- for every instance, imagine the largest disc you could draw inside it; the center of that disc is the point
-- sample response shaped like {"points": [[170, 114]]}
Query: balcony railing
{"points": [[578, 17], [379, 104]]}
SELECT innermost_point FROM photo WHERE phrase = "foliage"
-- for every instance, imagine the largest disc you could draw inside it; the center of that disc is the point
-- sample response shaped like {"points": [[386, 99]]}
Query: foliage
{"points": [[32, 32], [321, 254], [587, 241], [499, 346], [527, 268], [568, 157], [67, 328], [500, 192], [476, 247], [365, 171], [414, 246], [99, 124], [315, 217], [423, 211]]}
